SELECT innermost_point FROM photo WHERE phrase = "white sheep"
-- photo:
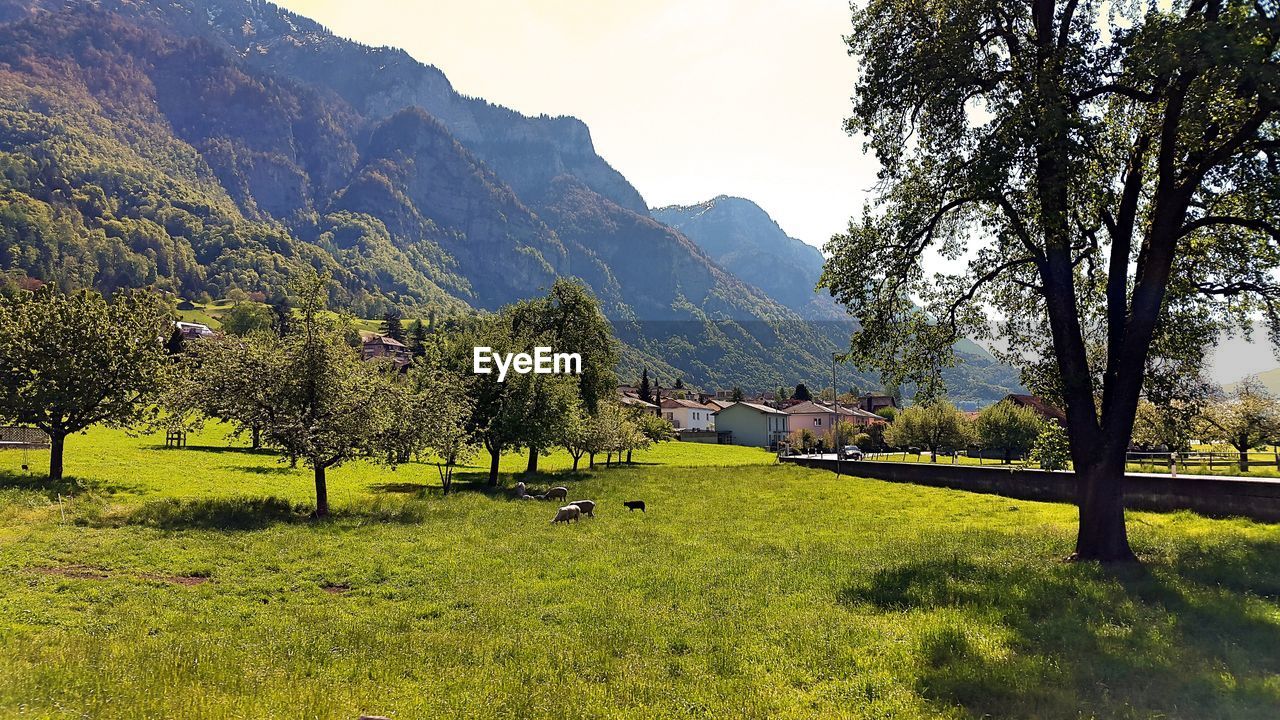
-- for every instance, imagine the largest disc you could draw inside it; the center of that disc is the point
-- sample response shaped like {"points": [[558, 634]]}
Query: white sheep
{"points": [[567, 513], [539, 497], [588, 507], [558, 493], [520, 490]]}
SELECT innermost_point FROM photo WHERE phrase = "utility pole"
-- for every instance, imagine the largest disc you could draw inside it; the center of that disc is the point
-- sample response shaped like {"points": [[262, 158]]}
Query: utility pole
{"points": [[835, 426]]}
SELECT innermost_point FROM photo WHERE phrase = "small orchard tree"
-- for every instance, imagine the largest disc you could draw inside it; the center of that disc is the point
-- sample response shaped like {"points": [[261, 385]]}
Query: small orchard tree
{"points": [[1052, 449], [1247, 418], [1171, 425], [577, 434], [71, 361], [444, 410], [1008, 427], [655, 429], [933, 426], [803, 438], [317, 401]]}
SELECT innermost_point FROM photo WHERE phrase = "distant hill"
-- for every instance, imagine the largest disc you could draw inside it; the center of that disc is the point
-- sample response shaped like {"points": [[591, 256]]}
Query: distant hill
{"points": [[198, 146], [1270, 379]]}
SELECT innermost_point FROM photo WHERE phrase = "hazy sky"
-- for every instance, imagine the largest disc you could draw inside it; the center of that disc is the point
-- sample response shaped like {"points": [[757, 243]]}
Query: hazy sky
{"points": [[689, 99]]}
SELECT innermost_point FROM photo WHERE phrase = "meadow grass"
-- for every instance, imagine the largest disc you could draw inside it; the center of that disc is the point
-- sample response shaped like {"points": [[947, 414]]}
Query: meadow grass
{"points": [[190, 584]]}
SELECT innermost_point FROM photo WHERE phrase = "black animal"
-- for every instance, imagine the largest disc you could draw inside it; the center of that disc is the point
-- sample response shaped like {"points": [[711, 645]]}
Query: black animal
{"points": [[634, 505]]}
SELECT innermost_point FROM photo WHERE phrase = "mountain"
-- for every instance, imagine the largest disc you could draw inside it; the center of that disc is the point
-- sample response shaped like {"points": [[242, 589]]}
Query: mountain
{"points": [[197, 146], [741, 237]]}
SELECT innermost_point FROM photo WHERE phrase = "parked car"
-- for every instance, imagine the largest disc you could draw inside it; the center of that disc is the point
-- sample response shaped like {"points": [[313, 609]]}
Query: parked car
{"points": [[851, 452]]}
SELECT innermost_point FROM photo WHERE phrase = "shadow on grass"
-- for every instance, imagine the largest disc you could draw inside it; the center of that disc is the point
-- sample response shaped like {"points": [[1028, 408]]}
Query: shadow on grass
{"points": [[68, 486], [1083, 639], [239, 450], [234, 513]]}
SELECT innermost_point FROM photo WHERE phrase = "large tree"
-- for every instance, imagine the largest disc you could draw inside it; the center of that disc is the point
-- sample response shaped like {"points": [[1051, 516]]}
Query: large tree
{"points": [[1107, 182], [70, 361]]}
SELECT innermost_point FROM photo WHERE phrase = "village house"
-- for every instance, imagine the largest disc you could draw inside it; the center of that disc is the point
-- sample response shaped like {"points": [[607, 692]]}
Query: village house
{"points": [[1042, 407], [193, 331], [820, 418], [687, 414], [875, 402], [381, 346], [635, 402], [753, 424]]}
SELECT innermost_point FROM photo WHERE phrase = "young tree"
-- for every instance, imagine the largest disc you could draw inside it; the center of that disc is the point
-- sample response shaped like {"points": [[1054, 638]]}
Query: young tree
{"points": [[71, 361], [1008, 427], [1170, 425], [1114, 176], [445, 408], [933, 427], [802, 392], [737, 395], [309, 392], [654, 429], [1248, 418], [803, 438], [393, 324]]}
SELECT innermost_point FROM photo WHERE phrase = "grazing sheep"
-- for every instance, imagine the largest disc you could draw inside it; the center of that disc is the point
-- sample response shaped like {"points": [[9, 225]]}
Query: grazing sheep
{"points": [[634, 505], [521, 491], [588, 507], [527, 497], [567, 513], [539, 497], [558, 493]]}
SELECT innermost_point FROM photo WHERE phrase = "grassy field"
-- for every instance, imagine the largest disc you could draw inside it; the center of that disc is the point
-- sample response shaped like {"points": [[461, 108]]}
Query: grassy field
{"points": [[1194, 466], [189, 584]]}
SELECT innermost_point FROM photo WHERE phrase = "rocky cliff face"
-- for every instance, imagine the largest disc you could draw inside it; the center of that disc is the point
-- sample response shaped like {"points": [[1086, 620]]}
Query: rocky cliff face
{"points": [[741, 237]]}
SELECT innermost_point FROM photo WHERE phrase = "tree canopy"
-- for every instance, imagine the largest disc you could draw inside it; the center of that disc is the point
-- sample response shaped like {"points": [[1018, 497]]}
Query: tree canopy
{"points": [[69, 361], [1106, 181]]}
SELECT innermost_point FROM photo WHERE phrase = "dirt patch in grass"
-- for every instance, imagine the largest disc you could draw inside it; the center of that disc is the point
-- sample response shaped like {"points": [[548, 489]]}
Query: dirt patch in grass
{"points": [[83, 572], [184, 580], [337, 589]]}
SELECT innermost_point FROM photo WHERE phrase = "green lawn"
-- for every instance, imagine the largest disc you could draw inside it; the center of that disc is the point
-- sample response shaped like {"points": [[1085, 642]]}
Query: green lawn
{"points": [[189, 584]]}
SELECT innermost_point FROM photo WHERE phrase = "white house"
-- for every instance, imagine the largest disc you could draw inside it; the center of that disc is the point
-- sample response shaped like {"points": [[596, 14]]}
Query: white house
{"points": [[753, 424], [687, 414]]}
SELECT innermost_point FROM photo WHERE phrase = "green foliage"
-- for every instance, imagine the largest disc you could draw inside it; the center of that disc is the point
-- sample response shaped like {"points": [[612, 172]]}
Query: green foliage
{"points": [[1008, 427], [1052, 451], [935, 426], [70, 361], [802, 393], [248, 317]]}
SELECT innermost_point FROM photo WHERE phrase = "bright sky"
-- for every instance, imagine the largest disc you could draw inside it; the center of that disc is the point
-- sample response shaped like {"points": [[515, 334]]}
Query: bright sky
{"points": [[689, 99]]}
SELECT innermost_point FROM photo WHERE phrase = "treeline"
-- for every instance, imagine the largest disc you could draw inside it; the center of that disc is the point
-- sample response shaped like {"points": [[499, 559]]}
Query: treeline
{"points": [[300, 388]]}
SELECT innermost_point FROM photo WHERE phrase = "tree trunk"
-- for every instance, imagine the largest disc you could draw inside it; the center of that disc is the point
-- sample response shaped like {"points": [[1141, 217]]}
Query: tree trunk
{"points": [[533, 461], [1243, 459], [933, 455], [591, 461], [57, 441], [256, 435], [628, 456], [494, 456], [322, 493], [1102, 535], [1008, 457], [576, 458]]}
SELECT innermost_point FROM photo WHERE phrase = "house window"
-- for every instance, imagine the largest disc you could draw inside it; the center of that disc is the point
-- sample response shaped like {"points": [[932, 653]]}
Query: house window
{"points": [[817, 421]]}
